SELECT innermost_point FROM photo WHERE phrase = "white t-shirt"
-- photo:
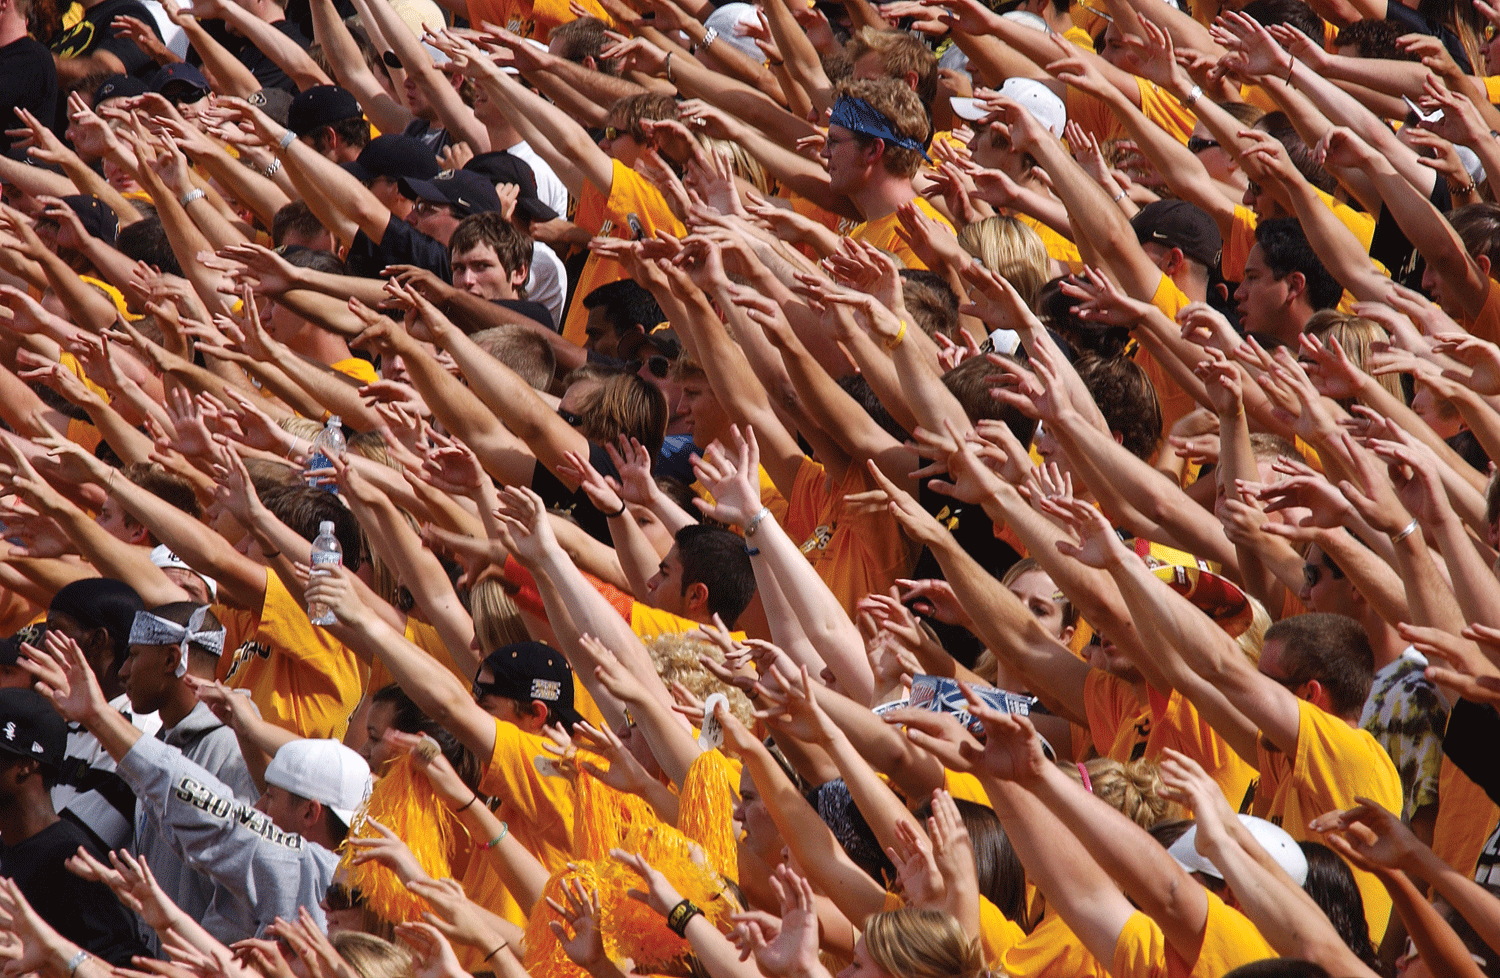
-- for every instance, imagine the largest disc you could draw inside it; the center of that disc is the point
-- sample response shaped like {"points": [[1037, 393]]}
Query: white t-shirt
{"points": [[548, 281]]}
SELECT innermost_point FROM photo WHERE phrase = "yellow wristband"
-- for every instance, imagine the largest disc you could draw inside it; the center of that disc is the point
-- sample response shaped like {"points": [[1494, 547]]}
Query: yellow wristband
{"points": [[895, 341]]}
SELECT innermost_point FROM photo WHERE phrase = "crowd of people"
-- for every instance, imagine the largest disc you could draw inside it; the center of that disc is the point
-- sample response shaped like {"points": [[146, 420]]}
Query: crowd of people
{"points": [[926, 489]]}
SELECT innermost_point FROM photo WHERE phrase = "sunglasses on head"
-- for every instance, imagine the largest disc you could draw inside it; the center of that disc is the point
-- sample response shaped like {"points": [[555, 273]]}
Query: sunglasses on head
{"points": [[570, 417]]}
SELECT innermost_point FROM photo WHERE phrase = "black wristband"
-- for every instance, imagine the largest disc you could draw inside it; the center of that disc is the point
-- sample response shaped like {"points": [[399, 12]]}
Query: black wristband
{"points": [[618, 512], [677, 919]]}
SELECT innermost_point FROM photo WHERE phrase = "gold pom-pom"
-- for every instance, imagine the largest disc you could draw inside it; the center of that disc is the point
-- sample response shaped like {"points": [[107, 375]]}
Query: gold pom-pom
{"points": [[706, 812], [607, 819], [404, 802]]}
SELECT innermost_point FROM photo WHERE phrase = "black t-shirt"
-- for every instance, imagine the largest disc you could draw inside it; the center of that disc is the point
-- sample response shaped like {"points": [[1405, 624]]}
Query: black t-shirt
{"points": [[93, 34], [28, 80], [974, 531], [424, 132], [1390, 247], [529, 309], [401, 244], [575, 502], [85, 913], [1413, 22], [266, 71]]}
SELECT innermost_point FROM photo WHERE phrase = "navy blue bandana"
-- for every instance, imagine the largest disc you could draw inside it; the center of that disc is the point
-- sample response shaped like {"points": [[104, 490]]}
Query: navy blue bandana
{"points": [[859, 116]]}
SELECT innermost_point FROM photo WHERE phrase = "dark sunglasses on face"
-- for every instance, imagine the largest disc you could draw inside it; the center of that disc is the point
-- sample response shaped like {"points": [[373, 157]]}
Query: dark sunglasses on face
{"points": [[341, 897], [1197, 144], [1313, 573], [656, 363]]}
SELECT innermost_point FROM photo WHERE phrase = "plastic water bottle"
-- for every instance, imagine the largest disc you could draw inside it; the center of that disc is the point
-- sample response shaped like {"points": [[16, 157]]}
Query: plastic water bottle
{"points": [[329, 444], [326, 552]]}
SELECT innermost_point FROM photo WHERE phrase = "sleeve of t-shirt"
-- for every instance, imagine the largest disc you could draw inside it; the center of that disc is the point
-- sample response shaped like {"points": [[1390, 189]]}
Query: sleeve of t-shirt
{"points": [[122, 47], [403, 244], [1473, 729]]}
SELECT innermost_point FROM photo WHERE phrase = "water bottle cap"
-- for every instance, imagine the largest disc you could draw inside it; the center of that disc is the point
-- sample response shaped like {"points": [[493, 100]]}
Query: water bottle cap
{"points": [[334, 421], [325, 527]]}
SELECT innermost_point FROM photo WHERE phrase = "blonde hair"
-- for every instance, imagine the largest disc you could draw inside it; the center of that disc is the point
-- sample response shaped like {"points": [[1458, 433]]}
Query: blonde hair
{"points": [[497, 620], [1253, 638], [304, 428], [676, 659], [1133, 789], [371, 956], [1356, 335], [744, 166], [621, 404], [917, 943], [1012, 250]]}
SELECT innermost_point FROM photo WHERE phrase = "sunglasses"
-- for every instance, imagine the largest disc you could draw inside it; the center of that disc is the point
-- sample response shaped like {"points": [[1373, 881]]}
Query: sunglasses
{"points": [[611, 133], [570, 417], [341, 897], [657, 364], [1197, 144], [1313, 573]]}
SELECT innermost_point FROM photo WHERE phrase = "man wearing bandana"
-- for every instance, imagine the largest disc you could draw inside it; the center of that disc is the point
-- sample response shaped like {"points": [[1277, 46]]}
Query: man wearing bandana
{"points": [[171, 647], [875, 145]]}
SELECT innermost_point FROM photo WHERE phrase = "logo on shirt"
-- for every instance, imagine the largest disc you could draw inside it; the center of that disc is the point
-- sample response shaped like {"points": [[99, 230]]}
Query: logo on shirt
{"points": [[77, 41], [242, 656], [819, 540]]}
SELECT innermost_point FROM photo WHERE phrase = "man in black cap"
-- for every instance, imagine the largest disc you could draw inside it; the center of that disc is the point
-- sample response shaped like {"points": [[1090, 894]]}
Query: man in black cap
{"points": [[446, 199], [380, 166], [547, 282], [183, 85], [329, 119], [119, 86], [28, 76], [1183, 241], [37, 843]]}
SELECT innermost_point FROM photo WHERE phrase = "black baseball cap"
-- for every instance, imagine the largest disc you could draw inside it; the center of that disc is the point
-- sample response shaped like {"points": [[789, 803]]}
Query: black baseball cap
{"points": [[274, 102], [98, 220], [33, 635], [30, 727], [182, 78], [1179, 224], [394, 155], [118, 86], [467, 191], [529, 671], [319, 106], [501, 166]]}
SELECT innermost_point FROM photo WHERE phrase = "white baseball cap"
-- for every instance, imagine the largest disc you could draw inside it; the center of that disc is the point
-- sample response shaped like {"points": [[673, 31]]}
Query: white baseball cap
{"points": [[728, 19], [1042, 102], [163, 557], [325, 771], [1272, 838], [1030, 94]]}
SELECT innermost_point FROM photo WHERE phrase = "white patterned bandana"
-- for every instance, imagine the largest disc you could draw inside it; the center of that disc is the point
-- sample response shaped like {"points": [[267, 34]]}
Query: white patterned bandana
{"points": [[149, 629]]}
